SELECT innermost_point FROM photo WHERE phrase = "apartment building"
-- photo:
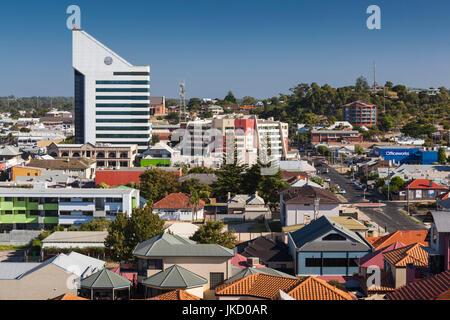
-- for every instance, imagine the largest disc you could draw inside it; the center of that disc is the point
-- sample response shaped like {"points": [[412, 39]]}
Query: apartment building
{"points": [[336, 136], [23, 208], [106, 155], [246, 133], [360, 113], [112, 97]]}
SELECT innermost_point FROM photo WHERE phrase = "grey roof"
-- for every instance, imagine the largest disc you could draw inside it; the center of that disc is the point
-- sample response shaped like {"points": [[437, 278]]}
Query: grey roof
{"points": [[444, 203], [76, 236], [307, 194], [105, 279], [14, 270], [442, 220], [245, 199], [208, 178], [304, 237], [9, 151], [167, 245], [175, 277], [243, 272]]}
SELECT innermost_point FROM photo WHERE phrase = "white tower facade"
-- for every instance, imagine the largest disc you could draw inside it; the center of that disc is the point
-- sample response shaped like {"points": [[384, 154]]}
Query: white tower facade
{"points": [[112, 97]]}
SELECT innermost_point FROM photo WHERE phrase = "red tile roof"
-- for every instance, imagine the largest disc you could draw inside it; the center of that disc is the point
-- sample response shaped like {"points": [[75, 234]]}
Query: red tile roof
{"points": [[376, 258], [68, 296], [176, 201], [412, 254], [265, 286], [406, 237], [176, 295], [423, 184], [434, 287]]}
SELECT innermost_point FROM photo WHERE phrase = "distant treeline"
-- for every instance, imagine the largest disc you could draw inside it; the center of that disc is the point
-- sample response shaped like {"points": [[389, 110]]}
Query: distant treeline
{"points": [[37, 105]]}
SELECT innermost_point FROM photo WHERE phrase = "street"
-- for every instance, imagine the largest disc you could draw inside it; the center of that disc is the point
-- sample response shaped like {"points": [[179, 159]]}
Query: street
{"points": [[388, 217]]}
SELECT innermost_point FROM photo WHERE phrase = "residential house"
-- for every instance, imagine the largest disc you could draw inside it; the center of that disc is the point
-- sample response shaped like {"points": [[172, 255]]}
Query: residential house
{"points": [[260, 286], [324, 247], [81, 168], [404, 265], [177, 206], [420, 189], [439, 245], [269, 252], [436, 287], [251, 207], [301, 205], [406, 237], [41, 281], [156, 255]]}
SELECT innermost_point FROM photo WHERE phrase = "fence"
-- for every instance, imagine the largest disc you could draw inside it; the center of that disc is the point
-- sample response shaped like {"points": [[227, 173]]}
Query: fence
{"points": [[247, 236]]}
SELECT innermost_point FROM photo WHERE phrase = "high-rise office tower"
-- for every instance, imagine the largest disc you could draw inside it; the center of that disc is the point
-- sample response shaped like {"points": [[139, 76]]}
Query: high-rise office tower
{"points": [[112, 97]]}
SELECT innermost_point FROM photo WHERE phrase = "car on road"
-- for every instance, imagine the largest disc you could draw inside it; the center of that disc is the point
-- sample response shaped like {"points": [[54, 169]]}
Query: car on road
{"points": [[325, 170], [327, 180], [341, 191]]}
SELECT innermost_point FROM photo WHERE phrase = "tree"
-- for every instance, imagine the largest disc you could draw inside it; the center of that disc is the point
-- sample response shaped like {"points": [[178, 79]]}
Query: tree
{"points": [[269, 187], [212, 233], [155, 183], [359, 150], [442, 156], [194, 201], [361, 84], [322, 150], [117, 239], [97, 224], [230, 98], [155, 140], [143, 225], [192, 185], [194, 103], [250, 101], [394, 185], [125, 233]]}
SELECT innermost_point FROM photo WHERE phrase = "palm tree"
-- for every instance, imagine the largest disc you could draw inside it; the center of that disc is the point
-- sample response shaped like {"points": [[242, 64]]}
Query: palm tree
{"points": [[194, 202]]}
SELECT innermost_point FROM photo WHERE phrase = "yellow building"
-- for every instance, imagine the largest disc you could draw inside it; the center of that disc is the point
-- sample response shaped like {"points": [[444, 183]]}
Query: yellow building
{"points": [[19, 171]]}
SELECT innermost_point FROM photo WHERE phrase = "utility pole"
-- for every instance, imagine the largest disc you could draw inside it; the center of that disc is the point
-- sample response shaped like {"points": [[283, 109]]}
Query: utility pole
{"points": [[407, 199]]}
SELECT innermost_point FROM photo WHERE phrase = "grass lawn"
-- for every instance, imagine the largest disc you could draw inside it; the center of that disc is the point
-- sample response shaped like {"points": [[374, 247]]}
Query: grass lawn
{"points": [[257, 227], [9, 248]]}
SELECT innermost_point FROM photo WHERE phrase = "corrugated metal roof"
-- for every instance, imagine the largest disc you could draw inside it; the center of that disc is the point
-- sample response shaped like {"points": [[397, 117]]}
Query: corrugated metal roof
{"points": [[13, 270], [442, 220]]}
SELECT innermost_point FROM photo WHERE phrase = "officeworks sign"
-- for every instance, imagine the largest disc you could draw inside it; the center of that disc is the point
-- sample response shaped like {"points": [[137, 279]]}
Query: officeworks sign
{"points": [[398, 155]]}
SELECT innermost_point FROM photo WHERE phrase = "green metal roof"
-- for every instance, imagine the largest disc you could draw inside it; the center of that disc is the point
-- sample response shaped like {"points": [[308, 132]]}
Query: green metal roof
{"points": [[167, 245], [175, 277], [105, 279]]}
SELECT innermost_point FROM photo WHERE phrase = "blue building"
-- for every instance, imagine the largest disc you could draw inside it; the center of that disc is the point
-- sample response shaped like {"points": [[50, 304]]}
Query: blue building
{"points": [[325, 247], [406, 155]]}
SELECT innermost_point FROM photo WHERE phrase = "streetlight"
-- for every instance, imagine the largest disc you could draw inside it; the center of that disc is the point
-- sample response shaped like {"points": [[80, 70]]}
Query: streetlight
{"points": [[316, 207]]}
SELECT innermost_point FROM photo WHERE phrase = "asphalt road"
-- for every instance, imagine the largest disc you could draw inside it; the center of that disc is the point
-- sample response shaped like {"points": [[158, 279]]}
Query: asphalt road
{"points": [[388, 217]]}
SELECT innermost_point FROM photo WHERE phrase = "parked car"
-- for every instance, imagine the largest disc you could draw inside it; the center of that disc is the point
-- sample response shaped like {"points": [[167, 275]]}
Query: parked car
{"points": [[341, 191], [327, 179]]}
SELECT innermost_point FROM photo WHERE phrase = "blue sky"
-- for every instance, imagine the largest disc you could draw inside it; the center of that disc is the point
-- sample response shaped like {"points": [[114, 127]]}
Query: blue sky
{"points": [[252, 47]]}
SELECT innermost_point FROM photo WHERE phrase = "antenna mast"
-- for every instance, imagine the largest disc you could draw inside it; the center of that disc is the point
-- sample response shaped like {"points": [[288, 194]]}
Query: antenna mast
{"points": [[182, 102]]}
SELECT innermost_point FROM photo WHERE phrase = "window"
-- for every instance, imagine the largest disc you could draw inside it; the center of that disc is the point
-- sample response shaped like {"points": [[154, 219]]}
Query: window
{"points": [[34, 212], [122, 82], [8, 199], [21, 212], [21, 199], [313, 262], [335, 262], [334, 237], [8, 212], [215, 278]]}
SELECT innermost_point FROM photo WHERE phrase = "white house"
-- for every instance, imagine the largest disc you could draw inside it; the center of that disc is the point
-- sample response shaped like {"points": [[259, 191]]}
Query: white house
{"points": [[301, 205], [176, 206]]}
